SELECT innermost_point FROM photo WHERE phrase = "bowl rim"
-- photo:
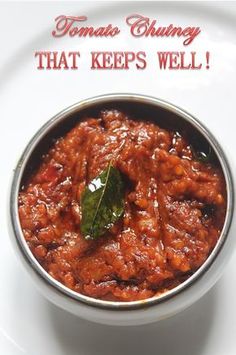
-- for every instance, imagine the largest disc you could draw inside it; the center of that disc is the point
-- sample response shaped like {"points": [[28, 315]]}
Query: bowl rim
{"points": [[57, 119]]}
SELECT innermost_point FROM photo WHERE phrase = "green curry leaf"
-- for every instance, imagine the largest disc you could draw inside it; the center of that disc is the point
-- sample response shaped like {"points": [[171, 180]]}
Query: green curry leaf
{"points": [[102, 203]]}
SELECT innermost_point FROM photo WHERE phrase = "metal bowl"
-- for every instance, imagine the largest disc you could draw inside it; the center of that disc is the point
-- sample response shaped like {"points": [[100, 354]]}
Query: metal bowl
{"points": [[110, 312]]}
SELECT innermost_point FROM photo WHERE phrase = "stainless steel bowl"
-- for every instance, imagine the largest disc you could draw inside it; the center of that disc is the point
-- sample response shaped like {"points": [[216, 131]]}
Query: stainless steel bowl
{"points": [[146, 107]]}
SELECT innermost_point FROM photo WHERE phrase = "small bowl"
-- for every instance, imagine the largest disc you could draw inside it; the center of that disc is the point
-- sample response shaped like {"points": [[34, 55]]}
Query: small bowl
{"points": [[110, 312]]}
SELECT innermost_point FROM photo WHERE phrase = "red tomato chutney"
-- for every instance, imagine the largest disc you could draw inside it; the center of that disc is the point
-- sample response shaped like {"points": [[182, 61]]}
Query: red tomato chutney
{"points": [[175, 208]]}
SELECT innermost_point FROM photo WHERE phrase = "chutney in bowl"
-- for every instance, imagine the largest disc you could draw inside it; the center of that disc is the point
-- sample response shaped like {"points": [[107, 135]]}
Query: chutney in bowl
{"points": [[175, 202]]}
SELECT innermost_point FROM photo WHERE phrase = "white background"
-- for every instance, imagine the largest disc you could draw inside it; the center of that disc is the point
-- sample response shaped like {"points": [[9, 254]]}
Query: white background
{"points": [[28, 323]]}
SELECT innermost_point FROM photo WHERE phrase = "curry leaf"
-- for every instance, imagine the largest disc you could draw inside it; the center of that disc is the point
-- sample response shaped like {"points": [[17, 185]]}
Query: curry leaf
{"points": [[102, 203]]}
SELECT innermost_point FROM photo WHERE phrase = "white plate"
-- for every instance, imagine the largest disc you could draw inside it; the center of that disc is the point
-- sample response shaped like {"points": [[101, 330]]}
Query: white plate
{"points": [[28, 323]]}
